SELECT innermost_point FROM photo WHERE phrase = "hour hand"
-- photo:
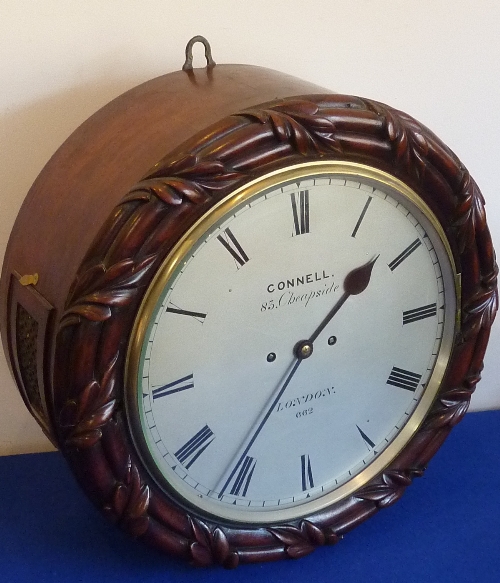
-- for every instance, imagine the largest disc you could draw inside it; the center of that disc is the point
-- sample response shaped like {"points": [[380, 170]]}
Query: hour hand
{"points": [[355, 282]]}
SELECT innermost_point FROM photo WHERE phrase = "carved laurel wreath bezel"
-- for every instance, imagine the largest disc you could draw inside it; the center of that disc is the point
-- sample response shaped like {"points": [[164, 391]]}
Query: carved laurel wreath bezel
{"points": [[100, 309]]}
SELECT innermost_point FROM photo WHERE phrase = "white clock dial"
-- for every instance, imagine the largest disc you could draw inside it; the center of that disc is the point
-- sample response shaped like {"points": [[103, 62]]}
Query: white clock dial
{"points": [[296, 336]]}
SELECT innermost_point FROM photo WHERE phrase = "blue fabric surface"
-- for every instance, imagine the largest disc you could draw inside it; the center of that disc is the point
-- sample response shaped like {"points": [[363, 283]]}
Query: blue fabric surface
{"points": [[445, 528]]}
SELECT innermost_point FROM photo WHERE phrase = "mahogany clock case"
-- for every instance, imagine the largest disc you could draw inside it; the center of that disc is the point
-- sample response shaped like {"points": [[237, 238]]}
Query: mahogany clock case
{"points": [[91, 172], [110, 205]]}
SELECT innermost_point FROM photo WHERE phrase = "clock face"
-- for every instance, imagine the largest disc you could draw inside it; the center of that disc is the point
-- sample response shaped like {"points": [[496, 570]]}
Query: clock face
{"points": [[291, 343]]}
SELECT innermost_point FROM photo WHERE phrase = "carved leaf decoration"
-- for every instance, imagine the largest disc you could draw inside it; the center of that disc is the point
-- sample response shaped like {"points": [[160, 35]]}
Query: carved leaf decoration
{"points": [[299, 550], [190, 167], [128, 273], [312, 533], [213, 175], [481, 310], [115, 297], [200, 555], [72, 320], [170, 190], [453, 404], [220, 546], [331, 537], [409, 145], [101, 288], [186, 178], [449, 414], [91, 312], [298, 124], [469, 214], [130, 503], [470, 220], [210, 546], [97, 419], [200, 549], [232, 560], [390, 489], [298, 127], [411, 149], [201, 532], [299, 541], [121, 275], [87, 280], [91, 411], [120, 498], [455, 411]]}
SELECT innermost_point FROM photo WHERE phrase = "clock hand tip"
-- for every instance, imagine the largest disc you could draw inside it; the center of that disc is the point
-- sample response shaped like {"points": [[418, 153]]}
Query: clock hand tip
{"points": [[357, 280]]}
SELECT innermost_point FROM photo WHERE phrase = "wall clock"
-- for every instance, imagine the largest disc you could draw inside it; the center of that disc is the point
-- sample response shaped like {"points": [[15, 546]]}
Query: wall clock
{"points": [[248, 311]]}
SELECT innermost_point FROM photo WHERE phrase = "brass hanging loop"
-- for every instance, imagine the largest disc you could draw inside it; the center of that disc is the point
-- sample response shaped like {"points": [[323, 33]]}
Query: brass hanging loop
{"points": [[188, 64]]}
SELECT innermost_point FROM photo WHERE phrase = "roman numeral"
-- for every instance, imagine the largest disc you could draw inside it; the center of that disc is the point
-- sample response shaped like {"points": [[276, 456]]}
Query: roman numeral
{"points": [[174, 387], [244, 476], [419, 313], [195, 447], [300, 209], [246, 466], [404, 379], [307, 476], [173, 309], [365, 437], [231, 244], [361, 216], [405, 254]]}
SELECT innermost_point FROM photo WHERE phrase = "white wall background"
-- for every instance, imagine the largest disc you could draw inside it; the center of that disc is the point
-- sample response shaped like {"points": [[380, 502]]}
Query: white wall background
{"points": [[61, 60]]}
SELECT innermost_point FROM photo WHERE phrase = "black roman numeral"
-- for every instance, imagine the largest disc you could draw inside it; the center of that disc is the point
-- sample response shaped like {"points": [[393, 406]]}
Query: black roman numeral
{"points": [[361, 216], [404, 379], [419, 313], [243, 477], [405, 254], [365, 437], [173, 309], [307, 476], [174, 387], [300, 209], [195, 447], [231, 244]]}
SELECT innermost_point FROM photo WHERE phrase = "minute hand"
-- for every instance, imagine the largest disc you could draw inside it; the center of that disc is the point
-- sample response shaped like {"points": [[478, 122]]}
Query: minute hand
{"points": [[355, 282]]}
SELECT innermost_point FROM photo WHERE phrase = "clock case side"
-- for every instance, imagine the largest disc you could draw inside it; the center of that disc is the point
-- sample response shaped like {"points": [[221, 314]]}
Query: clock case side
{"points": [[80, 187], [112, 279]]}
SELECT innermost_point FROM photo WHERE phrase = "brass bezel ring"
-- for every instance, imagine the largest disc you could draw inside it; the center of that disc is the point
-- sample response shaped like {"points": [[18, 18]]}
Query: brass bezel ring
{"points": [[184, 248]]}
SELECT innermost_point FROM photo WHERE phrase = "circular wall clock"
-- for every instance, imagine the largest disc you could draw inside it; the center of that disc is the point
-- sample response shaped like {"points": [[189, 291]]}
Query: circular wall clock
{"points": [[248, 311]]}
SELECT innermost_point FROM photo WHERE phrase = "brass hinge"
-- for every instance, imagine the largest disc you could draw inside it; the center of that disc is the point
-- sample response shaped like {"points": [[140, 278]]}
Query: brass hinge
{"points": [[29, 279]]}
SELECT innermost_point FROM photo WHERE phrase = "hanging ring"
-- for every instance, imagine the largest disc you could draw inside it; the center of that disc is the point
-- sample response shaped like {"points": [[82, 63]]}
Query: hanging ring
{"points": [[188, 65]]}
